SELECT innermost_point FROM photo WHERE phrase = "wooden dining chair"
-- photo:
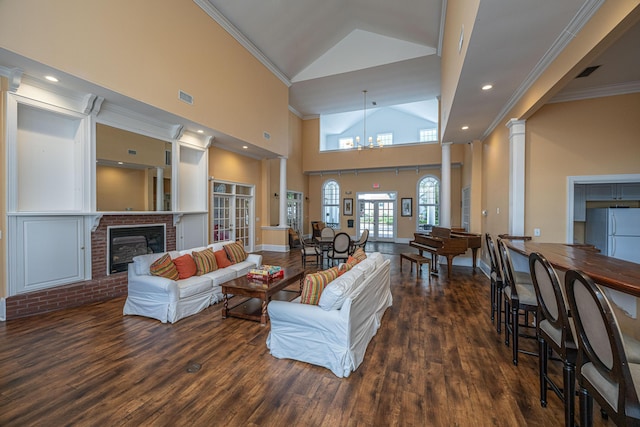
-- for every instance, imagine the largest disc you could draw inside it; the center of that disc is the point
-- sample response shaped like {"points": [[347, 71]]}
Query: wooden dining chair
{"points": [[339, 250], [553, 328], [310, 249], [519, 299], [362, 241], [496, 282], [603, 370]]}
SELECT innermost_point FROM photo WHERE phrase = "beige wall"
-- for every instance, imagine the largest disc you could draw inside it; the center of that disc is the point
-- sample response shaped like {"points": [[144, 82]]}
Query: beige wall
{"points": [[396, 156], [591, 137], [122, 189], [459, 13], [227, 166], [404, 183], [149, 54]]}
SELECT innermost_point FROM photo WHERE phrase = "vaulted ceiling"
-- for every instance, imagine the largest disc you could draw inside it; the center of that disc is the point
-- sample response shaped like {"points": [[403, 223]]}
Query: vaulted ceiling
{"points": [[329, 51]]}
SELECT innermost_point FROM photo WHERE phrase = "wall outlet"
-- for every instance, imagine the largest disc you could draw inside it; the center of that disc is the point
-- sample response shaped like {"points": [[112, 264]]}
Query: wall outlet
{"points": [[536, 232]]}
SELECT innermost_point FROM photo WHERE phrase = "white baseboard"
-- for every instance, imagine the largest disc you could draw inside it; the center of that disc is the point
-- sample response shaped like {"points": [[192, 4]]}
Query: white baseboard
{"points": [[3, 310], [275, 248]]}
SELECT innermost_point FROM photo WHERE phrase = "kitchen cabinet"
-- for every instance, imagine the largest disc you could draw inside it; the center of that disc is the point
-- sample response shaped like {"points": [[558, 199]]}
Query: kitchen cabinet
{"points": [[579, 202], [612, 191]]}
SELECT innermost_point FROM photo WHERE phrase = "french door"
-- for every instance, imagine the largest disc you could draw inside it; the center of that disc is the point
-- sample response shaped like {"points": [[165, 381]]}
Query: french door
{"points": [[232, 213], [376, 213]]}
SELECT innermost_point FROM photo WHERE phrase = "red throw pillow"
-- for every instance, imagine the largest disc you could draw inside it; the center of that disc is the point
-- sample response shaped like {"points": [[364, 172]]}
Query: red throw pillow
{"points": [[186, 266], [221, 259]]}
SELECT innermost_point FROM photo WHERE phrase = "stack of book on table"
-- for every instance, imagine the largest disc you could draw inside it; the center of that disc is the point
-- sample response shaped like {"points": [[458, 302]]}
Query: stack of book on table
{"points": [[265, 273]]}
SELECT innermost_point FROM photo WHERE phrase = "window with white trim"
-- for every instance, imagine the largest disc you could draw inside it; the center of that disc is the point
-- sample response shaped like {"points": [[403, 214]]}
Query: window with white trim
{"points": [[331, 203], [345, 143], [429, 135], [384, 138], [428, 203]]}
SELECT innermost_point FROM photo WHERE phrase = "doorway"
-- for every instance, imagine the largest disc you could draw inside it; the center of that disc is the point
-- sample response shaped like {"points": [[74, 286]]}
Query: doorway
{"points": [[232, 213], [377, 213]]}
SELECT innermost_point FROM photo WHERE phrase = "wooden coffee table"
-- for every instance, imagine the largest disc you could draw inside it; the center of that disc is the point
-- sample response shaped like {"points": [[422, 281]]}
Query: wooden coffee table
{"points": [[260, 294]]}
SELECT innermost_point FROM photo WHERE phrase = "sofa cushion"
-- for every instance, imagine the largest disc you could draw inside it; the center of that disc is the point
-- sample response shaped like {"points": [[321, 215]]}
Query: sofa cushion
{"points": [[141, 263], [338, 290], [235, 252], [221, 258], [314, 284], [164, 267], [377, 258], [359, 254], [205, 261], [367, 266], [221, 276], [186, 266], [194, 285]]}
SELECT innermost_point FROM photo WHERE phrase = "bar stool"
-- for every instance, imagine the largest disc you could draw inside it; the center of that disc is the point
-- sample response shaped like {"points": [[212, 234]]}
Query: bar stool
{"points": [[496, 282], [519, 297], [554, 331], [604, 372]]}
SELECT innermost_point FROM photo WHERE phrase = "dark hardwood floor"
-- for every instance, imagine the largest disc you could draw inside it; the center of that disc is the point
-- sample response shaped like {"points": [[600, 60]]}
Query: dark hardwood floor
{"points": [[436, 361]]}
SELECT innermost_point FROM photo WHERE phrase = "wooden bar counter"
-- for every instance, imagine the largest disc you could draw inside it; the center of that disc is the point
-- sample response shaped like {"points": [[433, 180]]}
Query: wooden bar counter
{"points": [[613, 273]]}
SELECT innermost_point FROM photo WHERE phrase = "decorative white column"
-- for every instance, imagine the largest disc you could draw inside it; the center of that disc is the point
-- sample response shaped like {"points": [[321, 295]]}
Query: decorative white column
{"points": [[283, 192], [445, 186], [516, 176], [159, 189]]}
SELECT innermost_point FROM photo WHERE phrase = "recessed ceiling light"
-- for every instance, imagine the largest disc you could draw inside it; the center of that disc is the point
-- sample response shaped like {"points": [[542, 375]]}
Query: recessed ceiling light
{"points": [[245, 147], [487, 87], [120, 163], [465, 127], [51, 79], [200, 131]]}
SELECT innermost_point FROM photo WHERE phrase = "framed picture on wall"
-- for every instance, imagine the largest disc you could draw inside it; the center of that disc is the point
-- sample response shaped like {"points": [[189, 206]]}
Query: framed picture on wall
{"points": [[347, 208], [407, 206]]}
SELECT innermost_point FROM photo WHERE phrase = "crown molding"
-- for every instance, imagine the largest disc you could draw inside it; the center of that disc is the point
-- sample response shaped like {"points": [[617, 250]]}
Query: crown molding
{"points": [[215, 14], [14, 75], [597, 92], [123, 118], [588, 9]]}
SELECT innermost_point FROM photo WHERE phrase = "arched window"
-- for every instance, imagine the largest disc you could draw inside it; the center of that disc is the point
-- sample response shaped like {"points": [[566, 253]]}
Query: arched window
{"points": [[331, 203], [428, 203]]}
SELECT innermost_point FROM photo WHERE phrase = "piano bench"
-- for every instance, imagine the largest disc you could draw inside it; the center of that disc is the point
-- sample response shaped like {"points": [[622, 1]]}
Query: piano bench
{"points": [[417, 259]]}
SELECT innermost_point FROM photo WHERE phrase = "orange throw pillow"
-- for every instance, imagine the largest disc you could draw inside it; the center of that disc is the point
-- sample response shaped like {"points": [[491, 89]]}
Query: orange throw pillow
{"points": [[221, 259], [186, 266]]}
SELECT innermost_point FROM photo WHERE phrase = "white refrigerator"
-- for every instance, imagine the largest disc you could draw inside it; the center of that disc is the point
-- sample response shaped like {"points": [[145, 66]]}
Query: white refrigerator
{"points": [[615, 231]]}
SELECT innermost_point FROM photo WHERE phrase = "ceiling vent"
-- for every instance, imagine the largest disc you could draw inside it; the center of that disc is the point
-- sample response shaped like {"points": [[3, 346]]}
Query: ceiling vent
{"points": [[185, 97], [587, 71]]}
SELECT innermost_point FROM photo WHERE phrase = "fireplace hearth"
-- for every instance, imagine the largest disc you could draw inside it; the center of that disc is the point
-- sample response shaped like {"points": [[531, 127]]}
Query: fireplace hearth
{"points": [[129, 241]]}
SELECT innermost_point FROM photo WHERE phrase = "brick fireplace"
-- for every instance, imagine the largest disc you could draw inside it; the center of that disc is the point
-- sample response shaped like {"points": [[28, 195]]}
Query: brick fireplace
{"points": [[101, 286]]}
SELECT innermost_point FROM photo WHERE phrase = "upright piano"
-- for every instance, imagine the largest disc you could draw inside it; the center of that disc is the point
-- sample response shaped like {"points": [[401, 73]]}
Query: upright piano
{"points": [[443, 241]]}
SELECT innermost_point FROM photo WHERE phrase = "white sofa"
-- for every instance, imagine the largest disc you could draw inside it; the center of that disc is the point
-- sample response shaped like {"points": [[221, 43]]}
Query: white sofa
{"points": [[171, 300], [334, 334]]}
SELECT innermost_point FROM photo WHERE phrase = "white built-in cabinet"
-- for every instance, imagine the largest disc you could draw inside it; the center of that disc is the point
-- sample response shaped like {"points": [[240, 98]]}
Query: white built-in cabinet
{"points": [[51, 183]]}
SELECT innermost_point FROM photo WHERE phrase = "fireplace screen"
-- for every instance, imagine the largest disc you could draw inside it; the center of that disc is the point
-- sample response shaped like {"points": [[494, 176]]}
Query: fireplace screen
{"points": [[127, 242]]}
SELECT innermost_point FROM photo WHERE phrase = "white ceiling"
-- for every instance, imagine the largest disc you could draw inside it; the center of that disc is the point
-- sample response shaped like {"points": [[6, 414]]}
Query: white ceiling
{"points": [[332, 50], [318, 47]]}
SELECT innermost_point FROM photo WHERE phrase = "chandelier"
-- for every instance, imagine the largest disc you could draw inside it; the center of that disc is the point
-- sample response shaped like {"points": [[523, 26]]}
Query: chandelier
{"points": [[369, 142]]}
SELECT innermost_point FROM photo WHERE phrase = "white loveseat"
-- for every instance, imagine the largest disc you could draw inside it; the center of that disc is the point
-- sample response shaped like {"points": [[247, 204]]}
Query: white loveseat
{"points": [[334, 334], [171, 300]]}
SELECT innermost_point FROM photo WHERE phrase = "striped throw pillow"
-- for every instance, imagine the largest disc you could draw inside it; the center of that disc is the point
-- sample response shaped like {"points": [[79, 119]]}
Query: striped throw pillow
{"points": [[315, 283], [359, 254], [235, 252], [205, 261], [164, 267]]}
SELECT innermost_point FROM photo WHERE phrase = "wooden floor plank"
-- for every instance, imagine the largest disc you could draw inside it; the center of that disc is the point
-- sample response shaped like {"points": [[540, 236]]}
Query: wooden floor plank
{"points": [[435, 361]]}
